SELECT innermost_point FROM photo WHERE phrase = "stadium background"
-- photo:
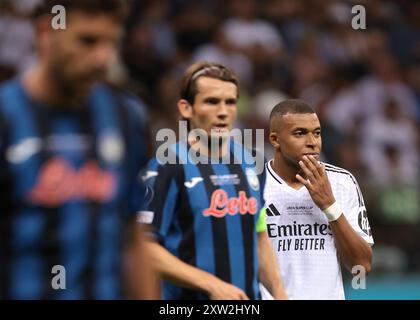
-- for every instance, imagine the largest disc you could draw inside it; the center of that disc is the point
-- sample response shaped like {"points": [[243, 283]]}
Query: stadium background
{"points": [[364, 85]]}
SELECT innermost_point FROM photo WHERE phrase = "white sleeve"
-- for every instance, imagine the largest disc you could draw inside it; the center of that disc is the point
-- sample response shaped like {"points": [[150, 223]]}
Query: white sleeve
{"points": [[355, 210]]}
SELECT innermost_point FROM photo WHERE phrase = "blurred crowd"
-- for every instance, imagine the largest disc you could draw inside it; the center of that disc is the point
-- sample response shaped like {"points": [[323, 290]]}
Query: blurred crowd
{"points": [[364, 84]]}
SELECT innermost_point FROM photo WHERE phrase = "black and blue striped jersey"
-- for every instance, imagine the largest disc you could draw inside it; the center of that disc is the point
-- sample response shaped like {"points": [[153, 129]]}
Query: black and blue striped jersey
{"points": [[69, 186], [206, 215]]}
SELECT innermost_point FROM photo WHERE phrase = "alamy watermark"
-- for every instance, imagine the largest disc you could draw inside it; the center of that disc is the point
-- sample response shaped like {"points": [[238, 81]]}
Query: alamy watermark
{"points": [[359, 20], [58, 22], [359, 277], [58, 281], [208, 150]]}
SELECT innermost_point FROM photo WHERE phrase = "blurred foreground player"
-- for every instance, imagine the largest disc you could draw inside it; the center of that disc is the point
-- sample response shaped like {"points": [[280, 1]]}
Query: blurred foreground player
{"points": [[316, 216], [71, 149], [206, 209]]}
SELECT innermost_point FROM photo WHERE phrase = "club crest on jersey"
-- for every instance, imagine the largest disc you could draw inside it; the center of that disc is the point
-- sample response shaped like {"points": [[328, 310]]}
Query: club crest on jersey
{"points": [[221, 205], [110, 146], [252, 179]]}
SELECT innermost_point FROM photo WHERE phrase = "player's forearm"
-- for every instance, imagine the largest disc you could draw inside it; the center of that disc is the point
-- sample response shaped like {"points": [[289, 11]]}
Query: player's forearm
{"points": [[353, 250], [268, 271], [142, 278], [178, 272]]}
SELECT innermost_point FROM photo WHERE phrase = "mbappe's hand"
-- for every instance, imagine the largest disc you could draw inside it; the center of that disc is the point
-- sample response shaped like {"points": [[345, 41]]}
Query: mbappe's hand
{"points": [[316, 182]]}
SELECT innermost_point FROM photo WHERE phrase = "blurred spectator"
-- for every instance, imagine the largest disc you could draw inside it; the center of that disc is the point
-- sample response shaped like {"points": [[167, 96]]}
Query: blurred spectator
{"points": [[16, 40], [255, 37], [412, 76], [340, 44], [222, 51], [404, 34], [344, 107], [142, 62], [332, 139], [384, 81], [194, 25], [249, 33], [288, 17], [155, 16], [307, 66], [389, 147]]}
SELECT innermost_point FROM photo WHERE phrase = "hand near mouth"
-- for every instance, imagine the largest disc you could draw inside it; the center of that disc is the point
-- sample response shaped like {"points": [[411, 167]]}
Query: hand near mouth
{"points": [[316, 182]]}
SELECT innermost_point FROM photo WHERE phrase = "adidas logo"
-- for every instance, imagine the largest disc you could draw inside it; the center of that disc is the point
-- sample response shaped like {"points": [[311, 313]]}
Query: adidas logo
{"points": [[272, 211]]}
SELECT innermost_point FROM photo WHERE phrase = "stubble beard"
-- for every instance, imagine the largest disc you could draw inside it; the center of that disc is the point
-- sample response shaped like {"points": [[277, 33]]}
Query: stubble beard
{"points": [[69, 94]]}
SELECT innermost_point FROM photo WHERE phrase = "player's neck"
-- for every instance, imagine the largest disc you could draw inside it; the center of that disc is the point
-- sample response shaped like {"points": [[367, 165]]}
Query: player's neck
{"points": [[210, 150], [286, 171], [42, 88]]}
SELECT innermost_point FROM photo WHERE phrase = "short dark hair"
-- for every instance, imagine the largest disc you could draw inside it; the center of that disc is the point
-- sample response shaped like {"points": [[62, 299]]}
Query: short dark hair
{"points": [[290, 106], [118, 9], [204, 69]]}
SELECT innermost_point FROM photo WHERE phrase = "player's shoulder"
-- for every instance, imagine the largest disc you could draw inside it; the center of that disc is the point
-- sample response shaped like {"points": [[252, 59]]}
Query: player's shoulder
{"points": [[250, 155], [8, 83], [157, 174], [7, 88], [133, 105], [339, 175], [5, 85], [13, 99], [246, 148], [333, 169], [273, 180], [169, 157]]}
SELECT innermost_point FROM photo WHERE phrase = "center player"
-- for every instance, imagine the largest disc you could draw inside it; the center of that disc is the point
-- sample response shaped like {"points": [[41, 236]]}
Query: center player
{"points": [[211, 240]]}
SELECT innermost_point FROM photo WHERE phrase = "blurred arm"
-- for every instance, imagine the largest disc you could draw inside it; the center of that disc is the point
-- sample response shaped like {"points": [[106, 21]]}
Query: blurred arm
{"points": [[269, 272], [180, 273], [142, 278], [352, 248]]}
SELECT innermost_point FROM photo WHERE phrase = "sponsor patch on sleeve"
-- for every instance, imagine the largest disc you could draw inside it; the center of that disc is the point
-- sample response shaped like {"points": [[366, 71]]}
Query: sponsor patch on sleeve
{"points": [[364, 222]]}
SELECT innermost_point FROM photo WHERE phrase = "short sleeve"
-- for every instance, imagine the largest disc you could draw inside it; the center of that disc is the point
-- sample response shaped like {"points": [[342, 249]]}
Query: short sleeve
{"points": [[355, 210], [161, 198], [133, 126]]}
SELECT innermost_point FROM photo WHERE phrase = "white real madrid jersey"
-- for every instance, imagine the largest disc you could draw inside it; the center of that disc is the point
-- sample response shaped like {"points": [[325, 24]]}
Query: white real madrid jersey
{"points": [[301, 236]]}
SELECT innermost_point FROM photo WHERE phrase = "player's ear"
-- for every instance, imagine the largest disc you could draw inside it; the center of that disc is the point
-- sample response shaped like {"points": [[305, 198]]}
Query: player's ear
{"points": [[185, 109], [273, 137]]}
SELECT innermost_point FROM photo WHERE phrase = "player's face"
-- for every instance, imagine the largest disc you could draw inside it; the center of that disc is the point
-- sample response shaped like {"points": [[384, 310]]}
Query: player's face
{"points": [[80, 55], [214, 108], [296, 135]]}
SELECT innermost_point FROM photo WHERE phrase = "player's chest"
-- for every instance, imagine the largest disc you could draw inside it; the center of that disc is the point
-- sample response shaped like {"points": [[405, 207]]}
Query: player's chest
{"points": [[220, 192], [66, 161], [284, 205]]}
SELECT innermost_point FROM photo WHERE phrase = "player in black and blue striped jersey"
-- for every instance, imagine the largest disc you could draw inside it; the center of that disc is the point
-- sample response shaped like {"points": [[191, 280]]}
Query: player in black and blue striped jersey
{"points": [[71, 148], [206, 207]]}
